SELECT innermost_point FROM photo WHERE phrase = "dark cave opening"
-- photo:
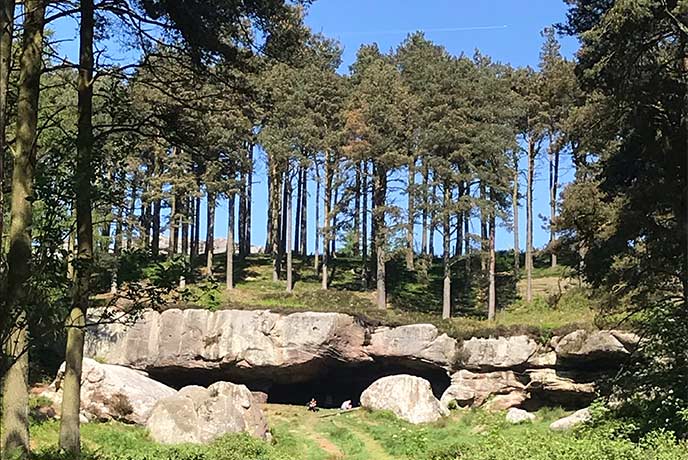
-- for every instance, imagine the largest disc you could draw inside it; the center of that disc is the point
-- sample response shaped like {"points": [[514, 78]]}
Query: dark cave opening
{"points": [[329, 383]]}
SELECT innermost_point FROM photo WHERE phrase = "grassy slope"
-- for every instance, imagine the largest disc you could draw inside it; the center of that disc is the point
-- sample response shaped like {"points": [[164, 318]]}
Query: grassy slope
{"points": [[414, 298], [362, 435]]}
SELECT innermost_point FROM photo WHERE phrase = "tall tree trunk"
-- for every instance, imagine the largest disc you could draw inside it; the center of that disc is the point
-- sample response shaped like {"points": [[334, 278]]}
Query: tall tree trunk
{"points": [[529, 220], [174, 230], [299, 207], [197, 228], [70, 439], [432, 224], [364, 226], [6, 31], [155, 237], [553, 185], [230, 243], [484, 243], [275, 219], [283, 213], [241, 234], [316, 262], [425, 221], [467, 231], [186, 201], [210, 233], [357, 212], [492, 292], [514, 201], [14, 428], [334, 209], [131, 214], [288, 225], [249, 193], [327, 211], [446, 241], [379, 197], [459, 225], [303, 225], [411, 194]]}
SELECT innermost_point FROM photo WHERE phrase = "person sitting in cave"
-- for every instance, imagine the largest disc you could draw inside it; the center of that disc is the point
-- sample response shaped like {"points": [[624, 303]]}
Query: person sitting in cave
{"points": [[347, 405], [313, 405]]}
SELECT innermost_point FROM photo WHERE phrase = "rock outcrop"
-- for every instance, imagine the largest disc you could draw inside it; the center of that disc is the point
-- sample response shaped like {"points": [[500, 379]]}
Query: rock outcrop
{"points": [[560, 387], [113, 392], [471, 389], [409, 397], [602, 347], [517, 416], [497, 353], [200, 415]]}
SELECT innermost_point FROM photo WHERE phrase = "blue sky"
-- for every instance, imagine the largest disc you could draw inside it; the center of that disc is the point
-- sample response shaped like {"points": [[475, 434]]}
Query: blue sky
{"points": [[506, 30]]}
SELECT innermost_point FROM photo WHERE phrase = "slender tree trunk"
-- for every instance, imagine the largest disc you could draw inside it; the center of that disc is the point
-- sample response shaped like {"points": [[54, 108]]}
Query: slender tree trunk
{"points": [[425, 221], [432, 224], [210, 234], [514, 201], [131, 214], [459, 225], [275, 218], [492, 292], [174, 231], [249, 193], [334, 208], [70, 439], [379, 197], [230, 243], [553, 185], [299, 207], [303, 225], [411, 194], [185, 217], [364, 226], [241, 234], [288, 225], [316, 262], [484, 243], [467, 232], [14, 428], [196, 240], [327, 211], [357, 212], [6, 31], [529, 221], [283, 214], [446, 240], [155, 239]]}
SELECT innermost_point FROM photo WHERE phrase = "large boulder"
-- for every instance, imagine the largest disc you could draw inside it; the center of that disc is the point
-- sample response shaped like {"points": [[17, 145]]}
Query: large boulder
{"points": [[497, 353], [200, 415], [474, 389], [409, 397], [417, 341], [576, 419], [516, 416], [113, 392], [586, 347]]}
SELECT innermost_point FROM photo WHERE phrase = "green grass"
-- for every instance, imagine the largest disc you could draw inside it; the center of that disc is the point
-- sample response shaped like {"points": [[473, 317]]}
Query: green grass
{"points": [[363, 435]]}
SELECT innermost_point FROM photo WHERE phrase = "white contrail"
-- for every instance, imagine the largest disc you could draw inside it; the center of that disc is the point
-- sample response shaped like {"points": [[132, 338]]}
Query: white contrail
{"points": [[408, 31]]}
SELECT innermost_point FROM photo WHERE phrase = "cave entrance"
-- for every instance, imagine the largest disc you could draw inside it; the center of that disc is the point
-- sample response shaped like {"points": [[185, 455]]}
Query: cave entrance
{"points": [[334, 385], [330, 384]]}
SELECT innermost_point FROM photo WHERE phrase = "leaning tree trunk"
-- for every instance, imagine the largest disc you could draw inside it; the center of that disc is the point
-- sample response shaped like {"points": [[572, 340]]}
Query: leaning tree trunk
{"points": [[492, 291], [411, 213], [71, 399], [446, 240], [14, 428], [379, 197], [6, 30], [529, 221], [210, 234], [514, 201], [230, 243]]}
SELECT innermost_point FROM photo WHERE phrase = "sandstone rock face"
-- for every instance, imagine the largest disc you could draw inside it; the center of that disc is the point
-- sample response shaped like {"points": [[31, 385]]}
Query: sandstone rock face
{"points": [[230, 339], [409, 397], [583, 346], [113, 392], [517, 416], [497, 353], [572, 421], [200, 415], [559, 387], [473, 389], [417, 341], [507, 401]]}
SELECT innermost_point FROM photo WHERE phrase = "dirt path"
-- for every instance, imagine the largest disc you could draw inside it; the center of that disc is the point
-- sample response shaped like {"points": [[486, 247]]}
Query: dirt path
{"points": [[374, 448], [328, 446]]}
